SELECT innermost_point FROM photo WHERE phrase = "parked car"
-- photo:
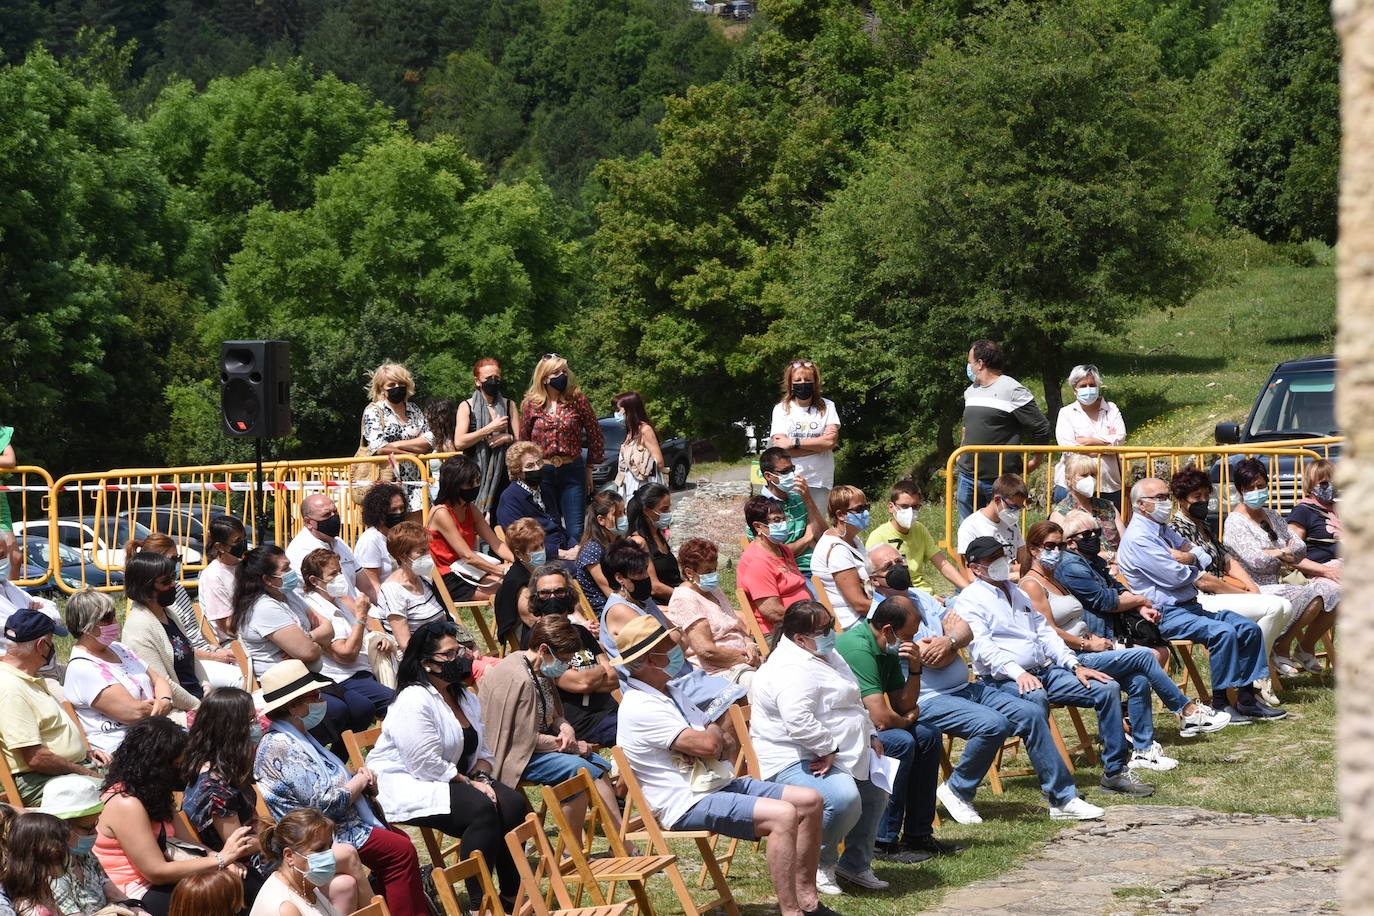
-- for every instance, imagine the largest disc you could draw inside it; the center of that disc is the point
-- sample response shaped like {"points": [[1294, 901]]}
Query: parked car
{"points": [[701, 6], [104, 548], [677, 456], [1297, 402], [184, 524], [73, 568], [741, 10]]}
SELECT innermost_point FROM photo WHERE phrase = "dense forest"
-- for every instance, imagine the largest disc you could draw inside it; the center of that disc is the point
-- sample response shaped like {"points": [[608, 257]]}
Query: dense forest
{"points": [[676, 203]]}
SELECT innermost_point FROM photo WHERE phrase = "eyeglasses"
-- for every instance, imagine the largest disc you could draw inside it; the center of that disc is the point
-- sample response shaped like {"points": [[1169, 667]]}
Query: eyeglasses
{"points": [[553, 593], [460, 652], [1156, 497], [803, 364]]}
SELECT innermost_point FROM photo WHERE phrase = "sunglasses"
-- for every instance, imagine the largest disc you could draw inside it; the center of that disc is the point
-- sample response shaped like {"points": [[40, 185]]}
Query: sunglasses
{"points": [[553, 593], [862, 508], [802, 364], [1052, 545], [550, 356]]}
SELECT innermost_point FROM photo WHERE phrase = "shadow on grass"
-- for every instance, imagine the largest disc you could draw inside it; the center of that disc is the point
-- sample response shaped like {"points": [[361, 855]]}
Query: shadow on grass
{"points": [[1317, 339]]}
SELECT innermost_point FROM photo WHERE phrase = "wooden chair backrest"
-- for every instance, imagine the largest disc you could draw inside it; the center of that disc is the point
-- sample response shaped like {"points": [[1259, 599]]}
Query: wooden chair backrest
{"points": [[476, 610], [751, 622], [446, 882], [358, 744], [533, 876], [746, 763], [377, 907]]}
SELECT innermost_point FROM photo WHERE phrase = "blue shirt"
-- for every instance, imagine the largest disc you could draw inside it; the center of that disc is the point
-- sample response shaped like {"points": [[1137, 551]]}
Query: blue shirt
{"points": [[1150, 569], [1010, 637], [516, 503], [1089, 579]]}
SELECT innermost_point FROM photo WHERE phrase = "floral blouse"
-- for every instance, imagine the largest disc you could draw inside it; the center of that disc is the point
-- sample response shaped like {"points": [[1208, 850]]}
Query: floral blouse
{"points": [[1190, 531], [381, 427], [291, 776], [1249, 541], [81, 888], [558, 431], [1104, 510]]}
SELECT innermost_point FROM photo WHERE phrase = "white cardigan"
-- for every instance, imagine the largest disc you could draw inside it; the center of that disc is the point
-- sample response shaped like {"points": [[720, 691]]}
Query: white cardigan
{"points": [[418, 752]]}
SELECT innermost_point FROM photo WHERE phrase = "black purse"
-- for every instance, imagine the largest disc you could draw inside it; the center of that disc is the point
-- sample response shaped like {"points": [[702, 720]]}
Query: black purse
{"points": [[1134, 630]]}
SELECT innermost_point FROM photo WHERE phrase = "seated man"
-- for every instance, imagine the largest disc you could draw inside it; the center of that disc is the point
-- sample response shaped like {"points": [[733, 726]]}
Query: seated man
{"points": [[805, 520], [913, 541], [768, 571], [890, 695], [1015, 651], [320, 526], [1001, 519], [664, 735], [976, 712], [1159, 564], [38, 738]]}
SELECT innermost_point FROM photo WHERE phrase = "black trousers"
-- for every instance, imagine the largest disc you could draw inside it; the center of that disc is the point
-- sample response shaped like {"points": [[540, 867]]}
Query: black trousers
{"points": [[480, 825]]}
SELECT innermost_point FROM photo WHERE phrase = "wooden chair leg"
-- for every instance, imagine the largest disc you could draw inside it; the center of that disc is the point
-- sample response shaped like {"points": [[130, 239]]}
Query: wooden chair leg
{"points": [[1085, 741]]}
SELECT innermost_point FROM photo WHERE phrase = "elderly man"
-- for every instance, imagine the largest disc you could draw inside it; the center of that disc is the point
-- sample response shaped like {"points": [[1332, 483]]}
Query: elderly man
{"points": [[981, 715], [320, 528], [38, 739], [1158, 563], [660, 728], [1016, 651], [805, 520], [998, 410]]}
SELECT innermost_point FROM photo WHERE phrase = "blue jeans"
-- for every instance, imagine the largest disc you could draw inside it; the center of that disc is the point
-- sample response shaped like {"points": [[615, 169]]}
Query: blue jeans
{"points": [[984, 716], [1062, 686], [1138, 670], [1235, 645], [565, 495], [911, 809], [963, 496], [848, 815]]}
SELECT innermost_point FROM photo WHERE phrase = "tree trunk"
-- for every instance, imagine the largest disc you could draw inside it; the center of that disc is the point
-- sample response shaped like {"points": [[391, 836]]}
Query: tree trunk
{"points": [[1354, 21], [1052, 374]]}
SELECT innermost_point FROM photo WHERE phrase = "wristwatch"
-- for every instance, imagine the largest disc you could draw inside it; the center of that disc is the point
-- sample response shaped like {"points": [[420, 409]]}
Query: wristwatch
{"points": [[796, 442]]}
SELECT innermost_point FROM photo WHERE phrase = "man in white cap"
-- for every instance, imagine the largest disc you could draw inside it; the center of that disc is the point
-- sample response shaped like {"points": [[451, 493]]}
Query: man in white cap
{"points": [[664, 736]]}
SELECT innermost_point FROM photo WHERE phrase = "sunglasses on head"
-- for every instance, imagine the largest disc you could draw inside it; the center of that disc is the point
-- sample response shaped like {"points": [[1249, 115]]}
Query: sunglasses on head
{"points": [[803, 364], [550, 356]]}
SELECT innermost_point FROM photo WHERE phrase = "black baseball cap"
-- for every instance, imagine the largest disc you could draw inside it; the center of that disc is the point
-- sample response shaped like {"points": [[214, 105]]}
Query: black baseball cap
{"points": [[27, 625], [983, 547]]}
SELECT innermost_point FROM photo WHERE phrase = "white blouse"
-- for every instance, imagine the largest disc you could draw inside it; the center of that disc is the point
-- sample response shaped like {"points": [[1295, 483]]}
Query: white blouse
{"points": [[1073, 423]]}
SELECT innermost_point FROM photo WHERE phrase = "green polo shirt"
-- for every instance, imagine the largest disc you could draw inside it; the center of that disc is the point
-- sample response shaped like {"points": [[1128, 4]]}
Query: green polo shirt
{"points": [[874, 669], [795, 511]]}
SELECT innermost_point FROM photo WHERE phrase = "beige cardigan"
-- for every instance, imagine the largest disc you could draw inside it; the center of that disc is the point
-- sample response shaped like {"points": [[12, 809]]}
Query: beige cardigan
{"points": [[510, 710], [144, 636]]}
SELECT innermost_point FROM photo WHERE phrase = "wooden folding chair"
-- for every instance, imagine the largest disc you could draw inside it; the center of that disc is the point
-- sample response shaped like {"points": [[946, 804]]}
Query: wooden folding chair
{"points": [[821, 595], [376, 908], [530, 898], [1328, 654], [1182, 650], [586, 873], [7, 783], [358, 744], [250, 682], [639, 823], [446, 882], [206, 628], [476, 611], [746, 763], [747, 617], [584, 607], [997, 773]]}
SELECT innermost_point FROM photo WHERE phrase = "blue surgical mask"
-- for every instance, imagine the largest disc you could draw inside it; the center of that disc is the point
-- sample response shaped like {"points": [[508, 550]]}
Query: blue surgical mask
{"points": [[622, 525], [709, 580], [620, 417], [663, 521], [777, 532], [255, 731], [968, 367], [84, 844], [290, 581], [858, 519], [825, 643], [787, 482], [538, 557], [320, 867], [555, 669], [1087, 395], [1049, 558], [894, 647], [314, 715], [676, 660], [1256, 499]]}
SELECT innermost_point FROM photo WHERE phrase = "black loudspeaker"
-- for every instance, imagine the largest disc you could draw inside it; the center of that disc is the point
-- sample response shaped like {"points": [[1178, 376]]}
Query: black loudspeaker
{"points": [[255, 388]]}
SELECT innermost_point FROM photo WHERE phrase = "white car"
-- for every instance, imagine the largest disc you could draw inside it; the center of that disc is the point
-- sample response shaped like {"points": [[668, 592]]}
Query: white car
{"points": [[104, 548]]}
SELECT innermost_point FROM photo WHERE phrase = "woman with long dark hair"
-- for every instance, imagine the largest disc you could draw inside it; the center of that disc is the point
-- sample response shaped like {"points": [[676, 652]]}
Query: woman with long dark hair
{"points": [[607, 522], [152, 633], [641, 458], [433, 766], [649, 514], [38, 856]]}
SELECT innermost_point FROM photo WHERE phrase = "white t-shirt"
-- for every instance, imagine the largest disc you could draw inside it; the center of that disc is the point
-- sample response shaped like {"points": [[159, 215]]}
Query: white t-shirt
{"points": [[833, 555], [370, 552], [979, 525], [267, 616], [648, 724], [807, 423], [418, 610], [303, 543], [343, 622], [88, 677]]}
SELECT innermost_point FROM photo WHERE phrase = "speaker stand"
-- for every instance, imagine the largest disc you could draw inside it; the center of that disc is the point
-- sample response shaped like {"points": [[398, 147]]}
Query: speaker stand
{"points": [[264, 532]]}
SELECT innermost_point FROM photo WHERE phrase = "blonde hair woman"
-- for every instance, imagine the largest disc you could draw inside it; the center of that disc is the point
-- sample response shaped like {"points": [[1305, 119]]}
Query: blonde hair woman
{"points": [[555, 416], [1080, 476], [393, 425], [807, 426]]}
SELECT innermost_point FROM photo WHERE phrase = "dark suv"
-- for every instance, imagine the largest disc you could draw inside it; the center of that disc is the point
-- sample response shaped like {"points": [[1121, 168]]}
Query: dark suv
{"points": [[740, 10], [677, 455]]}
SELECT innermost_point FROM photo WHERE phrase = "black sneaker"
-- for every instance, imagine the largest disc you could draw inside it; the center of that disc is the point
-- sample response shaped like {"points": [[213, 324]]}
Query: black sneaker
{"points": [[932, 846], [1260, 712], [821, 910], [898, 854]]}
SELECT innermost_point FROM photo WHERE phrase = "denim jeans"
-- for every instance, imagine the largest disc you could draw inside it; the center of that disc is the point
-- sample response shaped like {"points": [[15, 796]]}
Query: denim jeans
{"points": [[1062, 686], [963, 495], [1235, 646], [911, 809], [565, 495], [846, 816], [1138, 671]]}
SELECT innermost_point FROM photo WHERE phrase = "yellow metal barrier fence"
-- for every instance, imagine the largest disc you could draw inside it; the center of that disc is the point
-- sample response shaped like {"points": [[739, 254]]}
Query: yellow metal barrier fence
{"points": [[29, 512]]}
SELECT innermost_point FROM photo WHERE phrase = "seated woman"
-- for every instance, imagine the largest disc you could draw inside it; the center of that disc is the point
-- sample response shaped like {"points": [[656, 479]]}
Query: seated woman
{"points": [[648, 516], [408, 600], [512, 605], [217, 769], [226, 543], [109, 687], [714, 639], [455, 526], [138, 818], [433, 766], [212, 892], [293, 770], [383, 508], [301, 842], [1268, 549], [220, 667], [343, 660], [768, 571], [529, 737], [627, 565], [1079, 476], [606, 522], [83, 887], [151, 631], [1314, 518], [524, 499], [820, 738], [840, 559]]}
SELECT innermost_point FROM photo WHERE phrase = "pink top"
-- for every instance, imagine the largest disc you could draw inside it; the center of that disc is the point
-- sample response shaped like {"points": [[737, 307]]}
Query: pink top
{"points": [[216, 590], [763, 575], [687, 606], [116, 863]]}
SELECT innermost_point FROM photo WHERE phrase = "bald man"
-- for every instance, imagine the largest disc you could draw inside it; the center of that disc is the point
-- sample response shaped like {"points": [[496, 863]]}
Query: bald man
{"points": [[320, 524]]}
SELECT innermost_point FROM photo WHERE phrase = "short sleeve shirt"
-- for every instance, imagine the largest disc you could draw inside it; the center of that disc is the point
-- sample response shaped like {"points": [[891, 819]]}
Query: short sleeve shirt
{"points": [[216, 590], [89, 676], [832, 556], [794, 508], [979, 525], [808, 423], [30, 716], [267, 616], [874, 669], [763, 575], [370, 552], [343, 624], [916, 547], [590, 555], [1322, 545]]}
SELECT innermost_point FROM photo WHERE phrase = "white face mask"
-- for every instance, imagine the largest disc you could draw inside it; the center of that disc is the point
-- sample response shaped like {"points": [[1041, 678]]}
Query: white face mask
{"points": [[1010, 517], [904, 516], [999, 570], [1086, 485], [423, 566], [337, 587]]}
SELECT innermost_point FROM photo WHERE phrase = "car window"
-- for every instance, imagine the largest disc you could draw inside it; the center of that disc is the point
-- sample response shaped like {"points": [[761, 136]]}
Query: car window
{"points": [[613, 434], [1299, 404]]}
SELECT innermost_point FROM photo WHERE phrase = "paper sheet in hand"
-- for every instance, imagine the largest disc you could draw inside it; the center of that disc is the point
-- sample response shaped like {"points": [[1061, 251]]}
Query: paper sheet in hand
{"points": [[882, 771]]}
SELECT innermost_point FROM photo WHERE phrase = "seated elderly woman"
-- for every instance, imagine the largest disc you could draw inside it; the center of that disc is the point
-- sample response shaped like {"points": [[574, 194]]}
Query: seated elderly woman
{"points": [[109, 687], [293, 770], [524, 499], [151, 630], [525, 538], [712, 635], [1269, 550], [1314, 519], [1080, 474]]}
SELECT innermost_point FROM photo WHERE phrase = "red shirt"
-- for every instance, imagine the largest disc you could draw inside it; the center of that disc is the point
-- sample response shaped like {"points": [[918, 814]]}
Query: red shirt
{"points": [[559, 433], [762, 575]]}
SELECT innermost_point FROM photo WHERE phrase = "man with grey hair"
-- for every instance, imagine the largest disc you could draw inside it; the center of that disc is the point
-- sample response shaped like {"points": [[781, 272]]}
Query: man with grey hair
{"points": [[320, 525], [1090, 419]]}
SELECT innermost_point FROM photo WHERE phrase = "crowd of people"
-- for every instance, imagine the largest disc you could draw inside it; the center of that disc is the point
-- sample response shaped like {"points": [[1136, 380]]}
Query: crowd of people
{"points": [[171, 789]]}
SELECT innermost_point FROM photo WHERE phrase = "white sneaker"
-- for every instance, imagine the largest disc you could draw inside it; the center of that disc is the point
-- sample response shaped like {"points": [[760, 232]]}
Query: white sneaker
{"points": [[1206, 719], [1152, 759], [960, 810], [1264, 689], [1076, 809], [865, 879], [825, 883]]}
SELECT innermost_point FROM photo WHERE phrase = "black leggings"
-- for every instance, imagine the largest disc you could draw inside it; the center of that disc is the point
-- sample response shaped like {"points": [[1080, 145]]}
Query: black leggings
{"points": [[480, 825]]}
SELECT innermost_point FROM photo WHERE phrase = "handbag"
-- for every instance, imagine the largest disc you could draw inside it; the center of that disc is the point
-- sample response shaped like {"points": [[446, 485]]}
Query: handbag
{"points": [[363, 474], [177, 850], [1134, 630]]}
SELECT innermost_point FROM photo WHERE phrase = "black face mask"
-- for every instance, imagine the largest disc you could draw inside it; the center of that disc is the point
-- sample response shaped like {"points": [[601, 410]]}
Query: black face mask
{"points": [[535, 477], [559, 382], [492, 386], [1090, 544], [455, 671], [239, 549], [468, 494], [396, 395], [1198, 511], [393, 519], [802, 391], [167, 597], [544, 607], [899, 577], [329, 527], [641, 590]]}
